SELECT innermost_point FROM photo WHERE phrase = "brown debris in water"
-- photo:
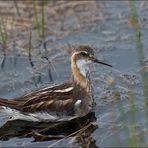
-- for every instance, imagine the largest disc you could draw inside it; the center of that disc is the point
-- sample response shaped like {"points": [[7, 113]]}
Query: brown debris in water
{"points": [[43, 131]]}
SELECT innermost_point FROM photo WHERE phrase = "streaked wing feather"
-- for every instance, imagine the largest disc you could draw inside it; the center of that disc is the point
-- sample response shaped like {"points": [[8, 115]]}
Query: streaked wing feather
{"points": [[47, 99]]}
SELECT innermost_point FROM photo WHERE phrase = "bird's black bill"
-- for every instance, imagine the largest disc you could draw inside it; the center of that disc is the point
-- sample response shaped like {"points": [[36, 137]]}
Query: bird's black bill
{"points": [[100, 62]]}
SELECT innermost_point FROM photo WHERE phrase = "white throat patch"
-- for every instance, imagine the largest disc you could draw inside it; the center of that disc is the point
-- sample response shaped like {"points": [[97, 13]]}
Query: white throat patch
{"points": [[83, 66]]}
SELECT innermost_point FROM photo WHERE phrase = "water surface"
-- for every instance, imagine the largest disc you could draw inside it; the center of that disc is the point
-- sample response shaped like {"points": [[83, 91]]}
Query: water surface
{"points": [[120, 108]]}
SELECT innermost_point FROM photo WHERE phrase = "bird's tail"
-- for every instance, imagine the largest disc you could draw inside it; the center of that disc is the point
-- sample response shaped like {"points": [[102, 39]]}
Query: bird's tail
{"points": [[6, 103], [8, 107]]}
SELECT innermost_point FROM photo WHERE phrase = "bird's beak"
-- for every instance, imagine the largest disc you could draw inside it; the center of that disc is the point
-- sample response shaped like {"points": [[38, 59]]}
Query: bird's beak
{"points": [[95, 60]]}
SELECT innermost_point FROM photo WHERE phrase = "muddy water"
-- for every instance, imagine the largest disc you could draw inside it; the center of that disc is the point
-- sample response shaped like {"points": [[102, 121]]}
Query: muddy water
{"points": [[121, 119]]}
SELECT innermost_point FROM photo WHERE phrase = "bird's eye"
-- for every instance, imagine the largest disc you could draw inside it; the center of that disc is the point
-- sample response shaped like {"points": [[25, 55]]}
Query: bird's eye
{"points": [[84, 53]]}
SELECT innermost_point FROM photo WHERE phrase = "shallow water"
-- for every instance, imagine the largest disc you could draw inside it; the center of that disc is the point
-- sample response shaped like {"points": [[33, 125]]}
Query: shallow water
{"points": [[121, 117]]}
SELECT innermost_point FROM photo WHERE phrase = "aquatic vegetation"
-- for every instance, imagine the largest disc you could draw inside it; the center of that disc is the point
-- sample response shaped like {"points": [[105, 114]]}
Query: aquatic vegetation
{"points": [[42, 29], [39, 26], [3, 32]]}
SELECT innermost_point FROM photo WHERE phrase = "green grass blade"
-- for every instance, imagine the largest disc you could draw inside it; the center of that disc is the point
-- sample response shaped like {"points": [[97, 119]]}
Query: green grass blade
{"points": [[36, 17]]}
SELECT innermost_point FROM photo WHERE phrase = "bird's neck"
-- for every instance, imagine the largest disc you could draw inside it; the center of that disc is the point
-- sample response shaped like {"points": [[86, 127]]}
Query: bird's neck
{"points": [[80, 74]]}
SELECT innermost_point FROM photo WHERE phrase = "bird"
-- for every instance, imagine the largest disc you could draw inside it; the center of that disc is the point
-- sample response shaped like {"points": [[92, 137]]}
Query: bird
{"points": [[61, 102]]}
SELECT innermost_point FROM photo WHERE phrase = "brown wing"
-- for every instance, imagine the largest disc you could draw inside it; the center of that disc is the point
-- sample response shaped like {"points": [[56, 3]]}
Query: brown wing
{"points": [[59, 98]]}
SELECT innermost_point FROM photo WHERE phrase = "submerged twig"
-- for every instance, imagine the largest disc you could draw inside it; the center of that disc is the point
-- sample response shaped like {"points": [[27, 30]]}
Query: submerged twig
{"points": [[2, 63], [77, 133], [46, 58], [29, 50], [30, 60]]}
